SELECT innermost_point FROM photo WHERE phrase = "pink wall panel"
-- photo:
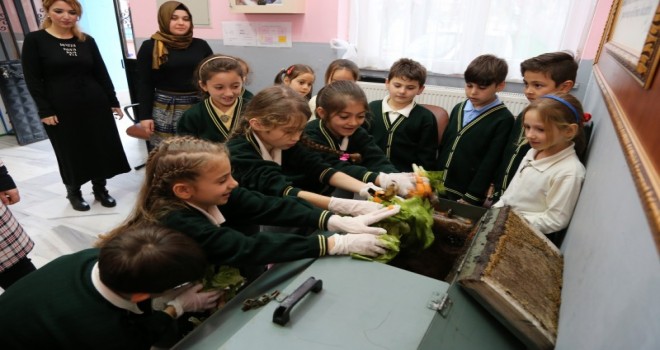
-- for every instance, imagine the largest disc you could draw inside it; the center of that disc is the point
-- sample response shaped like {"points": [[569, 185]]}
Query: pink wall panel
{"points": [[596, 30], [319, 23]]}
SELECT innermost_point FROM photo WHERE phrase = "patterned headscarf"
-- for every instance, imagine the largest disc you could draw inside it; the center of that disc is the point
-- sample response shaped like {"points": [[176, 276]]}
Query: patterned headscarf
{"points": [[164, 39]]}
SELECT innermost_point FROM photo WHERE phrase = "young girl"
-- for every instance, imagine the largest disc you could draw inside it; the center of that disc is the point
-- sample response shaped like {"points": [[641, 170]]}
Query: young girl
{"points": [[547, 184], [342, 109], [220, 79], [339, 69], [266, 156], [299, 77], [189, 188]]}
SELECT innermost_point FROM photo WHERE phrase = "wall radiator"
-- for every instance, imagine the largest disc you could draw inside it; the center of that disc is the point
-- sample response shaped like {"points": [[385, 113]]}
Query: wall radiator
{"points": [[445, 97]]}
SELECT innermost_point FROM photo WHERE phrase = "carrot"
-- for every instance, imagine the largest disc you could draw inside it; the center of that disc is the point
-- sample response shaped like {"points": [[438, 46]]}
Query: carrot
{"points": [[427, 188]]}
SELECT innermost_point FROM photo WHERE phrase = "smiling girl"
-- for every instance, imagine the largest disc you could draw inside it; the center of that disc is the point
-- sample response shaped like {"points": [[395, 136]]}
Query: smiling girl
{"points": [[547, 184], [220, 79], [342, 109]]}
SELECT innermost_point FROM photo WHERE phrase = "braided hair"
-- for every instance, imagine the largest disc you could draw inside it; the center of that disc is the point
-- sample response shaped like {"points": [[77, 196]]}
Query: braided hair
{"points": [[180, 158]]}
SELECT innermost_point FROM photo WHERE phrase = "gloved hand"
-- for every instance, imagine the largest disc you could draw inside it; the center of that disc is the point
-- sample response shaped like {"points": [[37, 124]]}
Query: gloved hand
{"points": [[360, 224], [364, 191], [360, 243], [404, 182], [191, 300], [352, 206]]}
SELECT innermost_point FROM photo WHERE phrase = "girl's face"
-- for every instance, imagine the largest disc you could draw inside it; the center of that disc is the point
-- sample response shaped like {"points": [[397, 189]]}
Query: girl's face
{"points": [[224, 88], [345, 122], [341, 74], [62, 15], [547, 139], [303, 83], [281, 136], [180, 23], [213, 185]]}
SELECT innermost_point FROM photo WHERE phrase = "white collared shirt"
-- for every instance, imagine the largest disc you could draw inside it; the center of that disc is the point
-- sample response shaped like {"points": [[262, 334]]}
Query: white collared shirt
{"points": [[212, 213], [275, 155], [394, 114], [111, 296], [545, 191]]}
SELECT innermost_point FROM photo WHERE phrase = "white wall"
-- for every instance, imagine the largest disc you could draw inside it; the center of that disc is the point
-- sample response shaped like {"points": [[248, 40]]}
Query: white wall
{"points": [[611, 292]]}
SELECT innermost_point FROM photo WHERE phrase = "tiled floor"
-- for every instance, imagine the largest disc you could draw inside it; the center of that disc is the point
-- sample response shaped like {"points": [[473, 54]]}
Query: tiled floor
{"points": [[44, 211]]}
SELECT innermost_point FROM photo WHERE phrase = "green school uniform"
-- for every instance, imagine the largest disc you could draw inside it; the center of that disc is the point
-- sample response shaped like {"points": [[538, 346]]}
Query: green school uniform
{"points": [[514, 152], [470, 154], [58, 307], [412, 139], [299, 165], [373, 161], [202, 121], [226, 246]]}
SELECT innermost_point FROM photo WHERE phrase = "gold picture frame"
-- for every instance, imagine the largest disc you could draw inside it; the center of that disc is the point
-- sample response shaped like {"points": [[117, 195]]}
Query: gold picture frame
{"points": [[267, 6], [625, 66], [639, 54]]}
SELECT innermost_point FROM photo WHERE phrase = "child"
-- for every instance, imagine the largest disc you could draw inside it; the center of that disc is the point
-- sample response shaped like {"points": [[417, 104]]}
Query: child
{"points": [[101, 299], [189, 188], [247, 95], [220, 79], [544, 74], [339, 69], [404, 130], [299, 77], [546, 185], [15, 244], [342, 109], [478, 127], [267, 157]]}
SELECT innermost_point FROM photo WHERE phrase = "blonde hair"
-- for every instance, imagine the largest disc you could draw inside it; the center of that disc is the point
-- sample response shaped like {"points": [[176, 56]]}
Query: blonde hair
{"points": [[555, 109], [76, 6], [179, 158], [274, 106]]}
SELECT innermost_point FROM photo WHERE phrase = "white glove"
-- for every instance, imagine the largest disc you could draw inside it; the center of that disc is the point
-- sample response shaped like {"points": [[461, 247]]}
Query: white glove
{"points": [[404, 182], [193, 301], [360, 243], [364, 191], [360, 224], [352, 206]]}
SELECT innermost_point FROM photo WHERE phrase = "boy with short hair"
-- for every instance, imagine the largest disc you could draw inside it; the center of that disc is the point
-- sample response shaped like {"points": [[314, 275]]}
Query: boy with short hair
{"points": [[101, 298], [547, 73], [403, 129], [478, 128]]}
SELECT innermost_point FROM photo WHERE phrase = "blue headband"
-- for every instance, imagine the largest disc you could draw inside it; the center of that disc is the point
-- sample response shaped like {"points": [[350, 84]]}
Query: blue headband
{"points": [[565, 103]]}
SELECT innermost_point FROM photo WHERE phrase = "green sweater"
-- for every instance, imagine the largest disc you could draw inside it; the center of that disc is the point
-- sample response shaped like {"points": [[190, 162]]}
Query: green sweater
{"points": [[58, 307], [203, 122], [470, 154], [299, 165], [226, 246], [412, 139], [373, 162], [514, 152]]}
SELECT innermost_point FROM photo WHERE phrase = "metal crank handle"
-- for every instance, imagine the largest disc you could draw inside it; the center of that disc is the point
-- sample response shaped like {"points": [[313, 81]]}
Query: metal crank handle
{"points": [[281, 314]]}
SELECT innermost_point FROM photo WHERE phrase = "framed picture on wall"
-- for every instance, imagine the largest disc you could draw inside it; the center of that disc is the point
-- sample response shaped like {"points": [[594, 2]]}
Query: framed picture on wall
{"points": [[267, 6], [633, 39]]}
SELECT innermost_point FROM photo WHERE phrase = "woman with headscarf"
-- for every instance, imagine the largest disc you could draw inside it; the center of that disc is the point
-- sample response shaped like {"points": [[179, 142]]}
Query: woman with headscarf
{"points": [[165, 67]]}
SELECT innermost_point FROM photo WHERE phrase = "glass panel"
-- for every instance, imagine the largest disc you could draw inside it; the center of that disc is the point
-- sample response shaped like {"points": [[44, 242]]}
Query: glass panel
{"points": [[126, 27]]}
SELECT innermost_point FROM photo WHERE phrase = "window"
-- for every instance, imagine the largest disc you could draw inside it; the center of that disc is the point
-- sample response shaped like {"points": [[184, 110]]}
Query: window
{"points": [[446, 35]]}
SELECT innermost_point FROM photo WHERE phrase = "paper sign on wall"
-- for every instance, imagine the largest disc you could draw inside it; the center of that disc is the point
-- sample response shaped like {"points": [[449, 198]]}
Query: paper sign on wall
{"points": [[264, 34]]}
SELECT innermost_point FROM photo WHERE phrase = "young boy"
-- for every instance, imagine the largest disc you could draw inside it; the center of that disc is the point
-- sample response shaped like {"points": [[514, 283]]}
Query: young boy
{"points": [[478, 128], [548, 73], [404, 130], [101, 299]]}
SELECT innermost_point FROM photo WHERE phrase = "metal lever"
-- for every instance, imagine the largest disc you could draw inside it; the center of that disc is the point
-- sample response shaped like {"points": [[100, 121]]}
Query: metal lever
{"points": [[281, 314]]}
